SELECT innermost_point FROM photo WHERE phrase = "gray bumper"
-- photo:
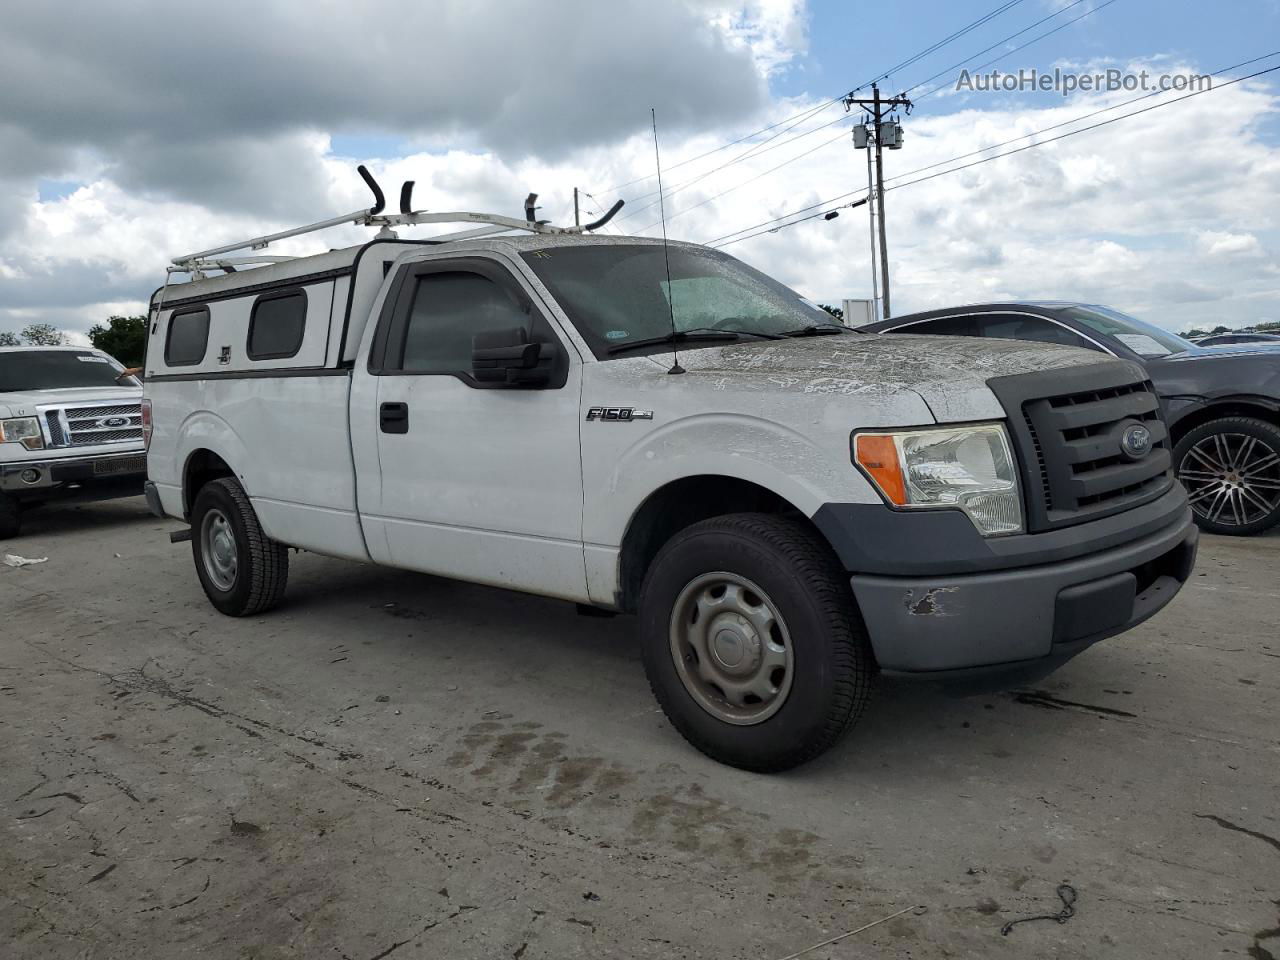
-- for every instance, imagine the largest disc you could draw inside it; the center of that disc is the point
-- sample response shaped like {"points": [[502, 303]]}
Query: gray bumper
{"points": [[1033, 617], [39, 478]]}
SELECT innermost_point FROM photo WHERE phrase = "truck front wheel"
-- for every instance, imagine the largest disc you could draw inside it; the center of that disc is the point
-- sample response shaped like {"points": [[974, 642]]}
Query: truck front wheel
{"points": [[752, 642], [10, 516], [242, 570]]}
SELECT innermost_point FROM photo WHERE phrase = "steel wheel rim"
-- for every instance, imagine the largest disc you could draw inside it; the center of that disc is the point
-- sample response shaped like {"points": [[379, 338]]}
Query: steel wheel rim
{"points": [[731, 648], [1232, 479], [218, 550]]}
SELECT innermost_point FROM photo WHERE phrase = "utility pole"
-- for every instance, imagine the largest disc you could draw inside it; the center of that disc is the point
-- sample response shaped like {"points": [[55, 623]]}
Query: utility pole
{"points": [[886, 133], [576, 220], [871, 227]]}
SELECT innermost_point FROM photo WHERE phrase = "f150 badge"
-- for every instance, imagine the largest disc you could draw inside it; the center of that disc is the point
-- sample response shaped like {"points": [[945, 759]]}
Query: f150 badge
{"points": [[618, 414]]}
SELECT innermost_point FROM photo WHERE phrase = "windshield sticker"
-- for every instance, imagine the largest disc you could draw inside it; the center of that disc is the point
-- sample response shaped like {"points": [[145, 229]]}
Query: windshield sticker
{"points": [[89, 358], [617, 334], [1143, 345]]}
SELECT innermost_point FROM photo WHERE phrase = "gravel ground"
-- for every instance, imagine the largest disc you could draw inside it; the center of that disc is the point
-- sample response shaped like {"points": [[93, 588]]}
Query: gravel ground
{"points": [[394, 765]]}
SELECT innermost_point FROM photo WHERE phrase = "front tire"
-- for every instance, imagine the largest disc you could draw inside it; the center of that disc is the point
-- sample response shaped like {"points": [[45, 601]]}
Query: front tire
{"points": [[752, 642], [242, 570], [1231, 470], [10, 516]]}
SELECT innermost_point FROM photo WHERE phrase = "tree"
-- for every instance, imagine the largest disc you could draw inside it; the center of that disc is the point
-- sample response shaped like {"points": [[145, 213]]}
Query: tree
{"points": [[43, 335], [8, 339], [836, 312], [125, 338]]}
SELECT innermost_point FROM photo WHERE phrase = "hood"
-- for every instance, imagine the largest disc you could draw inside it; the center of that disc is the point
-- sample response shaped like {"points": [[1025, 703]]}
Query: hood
{"points": [[1215, 372], [23, 403], [948, 373]]}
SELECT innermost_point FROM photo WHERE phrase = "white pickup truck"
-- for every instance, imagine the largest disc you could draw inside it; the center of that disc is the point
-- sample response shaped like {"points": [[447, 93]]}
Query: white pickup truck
{"points": [[70, 426], [789, 507]]}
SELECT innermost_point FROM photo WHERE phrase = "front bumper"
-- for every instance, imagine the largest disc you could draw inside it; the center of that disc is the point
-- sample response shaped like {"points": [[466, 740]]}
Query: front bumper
{"points": [[1027, 621], [41, 479]]}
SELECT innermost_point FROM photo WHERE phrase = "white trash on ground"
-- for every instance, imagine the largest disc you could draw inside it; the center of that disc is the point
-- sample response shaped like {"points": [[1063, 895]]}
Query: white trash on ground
{"points": [[13, 560]]}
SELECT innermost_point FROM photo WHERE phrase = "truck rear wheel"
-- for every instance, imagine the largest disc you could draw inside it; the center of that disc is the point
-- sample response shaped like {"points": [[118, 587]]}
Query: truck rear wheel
{"points": [[1231, 469], [752, 642], [242, 570], [10, 516]]}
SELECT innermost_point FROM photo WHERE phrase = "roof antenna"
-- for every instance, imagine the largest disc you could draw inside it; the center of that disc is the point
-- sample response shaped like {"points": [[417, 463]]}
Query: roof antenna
{"points": [[666, 256]]}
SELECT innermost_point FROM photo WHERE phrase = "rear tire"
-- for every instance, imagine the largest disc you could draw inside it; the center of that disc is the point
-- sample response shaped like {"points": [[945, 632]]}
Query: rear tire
{"points": [[752, 642], [10, 516], [1231, 470], [242, 570]]}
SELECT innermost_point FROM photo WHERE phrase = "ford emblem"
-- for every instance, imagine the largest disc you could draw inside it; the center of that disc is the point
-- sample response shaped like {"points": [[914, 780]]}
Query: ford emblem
{"points": [[1135, 441], [112, 422]]}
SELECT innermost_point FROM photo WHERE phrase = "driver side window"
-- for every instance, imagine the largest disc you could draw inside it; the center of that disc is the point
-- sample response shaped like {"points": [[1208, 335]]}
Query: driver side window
{"points": [[448, 310]]}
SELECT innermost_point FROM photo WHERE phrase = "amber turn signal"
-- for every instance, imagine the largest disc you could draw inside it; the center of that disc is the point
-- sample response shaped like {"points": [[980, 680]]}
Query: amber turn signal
{"points": [[877, 454]]}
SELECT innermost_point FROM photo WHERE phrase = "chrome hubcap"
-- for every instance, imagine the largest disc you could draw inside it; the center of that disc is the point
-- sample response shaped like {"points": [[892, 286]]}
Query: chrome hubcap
{"points": [[218, 549], [731, 648], [1231, 478]]}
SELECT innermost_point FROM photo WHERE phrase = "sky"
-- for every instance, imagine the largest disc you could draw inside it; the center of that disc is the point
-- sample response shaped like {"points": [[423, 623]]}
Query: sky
{"points": [[131, 133]]}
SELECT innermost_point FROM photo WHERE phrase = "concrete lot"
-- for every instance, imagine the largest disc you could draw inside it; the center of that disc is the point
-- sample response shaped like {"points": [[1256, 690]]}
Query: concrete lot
{"points": [[393, 765]]}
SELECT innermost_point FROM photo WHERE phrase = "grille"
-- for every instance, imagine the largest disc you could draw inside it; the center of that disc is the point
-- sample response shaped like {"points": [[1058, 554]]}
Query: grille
{"points": [[1069, 442], [56, 437], [93, 425]]}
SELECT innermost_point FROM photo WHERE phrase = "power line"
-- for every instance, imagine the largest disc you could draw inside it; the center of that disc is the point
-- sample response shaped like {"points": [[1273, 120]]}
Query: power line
{"points": [[800, 117], [812, 216], [1008, 53], [1066, 123], [746, 154], [1155, 106], [942, 43], [826, 143], [812, 206], [756, 150], [731, 143], [998, 43], [1092, 126]]}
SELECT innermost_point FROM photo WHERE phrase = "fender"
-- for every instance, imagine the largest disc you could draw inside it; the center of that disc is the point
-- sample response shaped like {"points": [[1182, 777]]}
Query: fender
{"points": [[743, 447], [208, 431], [1178, 408]]}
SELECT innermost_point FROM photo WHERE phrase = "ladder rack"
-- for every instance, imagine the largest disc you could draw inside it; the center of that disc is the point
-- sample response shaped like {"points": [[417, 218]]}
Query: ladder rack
{"points": [[213, 259]]}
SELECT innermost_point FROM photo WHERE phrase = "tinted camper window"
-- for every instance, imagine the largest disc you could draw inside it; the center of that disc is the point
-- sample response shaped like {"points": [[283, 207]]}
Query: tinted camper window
{"points": [[276, 325], [188, 338]]}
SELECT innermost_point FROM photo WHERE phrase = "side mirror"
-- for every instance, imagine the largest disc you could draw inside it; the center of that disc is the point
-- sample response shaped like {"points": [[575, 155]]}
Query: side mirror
{"points": [[508, 357]]}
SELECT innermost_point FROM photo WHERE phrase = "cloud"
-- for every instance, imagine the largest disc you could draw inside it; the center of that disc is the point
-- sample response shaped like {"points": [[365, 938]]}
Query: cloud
{"points": [[513, 76], [1148, 215], [1218, 243]]}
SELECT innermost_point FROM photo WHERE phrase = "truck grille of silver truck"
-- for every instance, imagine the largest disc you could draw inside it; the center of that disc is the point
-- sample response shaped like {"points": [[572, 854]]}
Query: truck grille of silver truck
{"points": [[85, 426], [1074, 468]]}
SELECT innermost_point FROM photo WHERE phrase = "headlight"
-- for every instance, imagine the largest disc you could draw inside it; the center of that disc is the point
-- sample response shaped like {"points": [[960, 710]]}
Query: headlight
{"points": [[23, 430], [967, 468]]}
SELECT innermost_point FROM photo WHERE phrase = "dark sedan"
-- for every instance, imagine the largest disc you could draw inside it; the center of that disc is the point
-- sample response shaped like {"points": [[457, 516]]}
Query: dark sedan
{"points": [[1222, 404], [1226, 339]]}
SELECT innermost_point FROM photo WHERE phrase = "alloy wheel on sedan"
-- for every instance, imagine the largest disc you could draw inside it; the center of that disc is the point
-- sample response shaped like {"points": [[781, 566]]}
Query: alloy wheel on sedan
{"points": [[1232, 475]]}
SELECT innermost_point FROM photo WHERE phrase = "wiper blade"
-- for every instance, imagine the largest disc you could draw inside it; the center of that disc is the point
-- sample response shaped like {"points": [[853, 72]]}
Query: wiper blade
{"points": [[816, 330], [686, 336]]}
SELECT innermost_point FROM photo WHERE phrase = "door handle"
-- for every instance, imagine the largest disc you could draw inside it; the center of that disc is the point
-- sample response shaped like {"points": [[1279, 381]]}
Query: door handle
{"points": [[394, 417]]}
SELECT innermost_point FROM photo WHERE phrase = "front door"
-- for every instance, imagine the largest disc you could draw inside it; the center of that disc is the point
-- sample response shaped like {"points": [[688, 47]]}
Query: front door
{"points": [[474, 480]]}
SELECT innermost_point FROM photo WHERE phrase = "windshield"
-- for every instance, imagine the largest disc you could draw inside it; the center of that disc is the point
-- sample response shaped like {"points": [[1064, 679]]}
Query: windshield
{"points": [[617, 294], [58, 369], [1144, 339]]}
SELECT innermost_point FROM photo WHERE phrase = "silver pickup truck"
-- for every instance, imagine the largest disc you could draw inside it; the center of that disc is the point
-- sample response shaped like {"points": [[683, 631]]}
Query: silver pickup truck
{"points": [[70, 427]]}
